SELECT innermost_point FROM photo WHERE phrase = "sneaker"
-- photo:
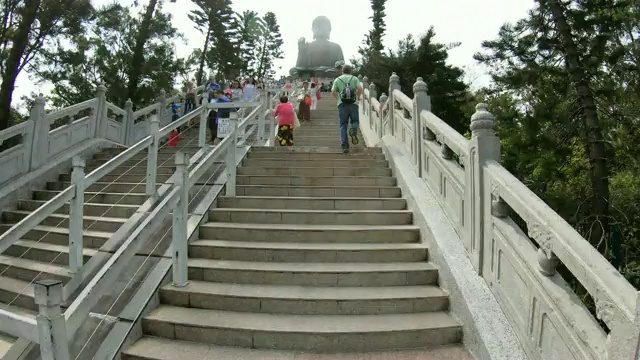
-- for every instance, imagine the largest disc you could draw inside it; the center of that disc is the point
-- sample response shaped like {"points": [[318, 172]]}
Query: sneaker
{"points": [[354, 136], [345, 148]]}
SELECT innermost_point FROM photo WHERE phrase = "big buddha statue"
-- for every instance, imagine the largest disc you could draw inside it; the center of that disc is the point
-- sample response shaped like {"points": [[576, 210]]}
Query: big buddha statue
{"points": [[320, 57]]}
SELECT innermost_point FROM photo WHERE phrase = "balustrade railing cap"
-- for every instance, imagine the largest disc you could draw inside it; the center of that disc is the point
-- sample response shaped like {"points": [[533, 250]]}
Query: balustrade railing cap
{"points": [[482, 119], [394, 77], [77, 161], [48, 292], [101, 88], [419, 85]]}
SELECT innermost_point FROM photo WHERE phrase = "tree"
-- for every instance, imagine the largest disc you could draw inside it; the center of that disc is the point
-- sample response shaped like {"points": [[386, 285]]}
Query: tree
{"points": [[377, 33], [27, 28], [250, 29], [270, 47]]}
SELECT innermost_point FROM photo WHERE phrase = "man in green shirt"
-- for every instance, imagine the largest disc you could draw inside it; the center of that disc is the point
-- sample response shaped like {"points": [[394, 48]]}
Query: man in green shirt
{"points": [[347, 90]]}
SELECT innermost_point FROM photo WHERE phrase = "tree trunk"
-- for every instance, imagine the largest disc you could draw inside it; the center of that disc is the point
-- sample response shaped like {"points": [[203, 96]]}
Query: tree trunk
{"points": [[595, 146], [137, 59], [20, 41], [200, 73]]}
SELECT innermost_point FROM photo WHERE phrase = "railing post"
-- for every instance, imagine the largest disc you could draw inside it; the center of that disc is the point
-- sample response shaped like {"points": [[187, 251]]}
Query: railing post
{"points": [[52, 330], [76, 215], [40, 140], [202, 130], [373, 94], [483, 147], [384, 99], [231, 155], [394, 84], [100, 110], [365, 85], [179, 228], [161, 100], [152, 157], [129, 122], [421, 101]]}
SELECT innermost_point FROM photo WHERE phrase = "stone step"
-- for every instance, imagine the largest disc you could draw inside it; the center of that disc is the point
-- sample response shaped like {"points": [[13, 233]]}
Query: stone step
{"points": [[101, 158], [30, 270], [310, 203], [60, 236], [90, 209], [137, 177], [322, 333], [45, 252], [316, 274], [98, 197], [166, 168], [318, 191], [19, 293], [311, 156], [307, 252], [316, 217], [316, 180], [315, 149], [333, 143], [315, 171], [154, 348], [306, 300], [333, 163], [311, 233], [102, 186], [186, 146], [98, 223]]}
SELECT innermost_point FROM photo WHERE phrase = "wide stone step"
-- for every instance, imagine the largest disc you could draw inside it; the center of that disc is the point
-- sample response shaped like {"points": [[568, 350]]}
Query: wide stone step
{"points": [[98, 197], [45, 252], [322, 333], [311, 203], [154, 348], [316, 274], [315, 171], [187, 146], [334, 163], [90, 209], [318, 191], [19, 293], [316, 180], [316, 149], [167, 168], [307, 252], [306, 300], [60, 235], [138, 177], [311, 156], [311, 233], [101, 158], [316, 217], [98, 223], [103, 186], [30, 270]]}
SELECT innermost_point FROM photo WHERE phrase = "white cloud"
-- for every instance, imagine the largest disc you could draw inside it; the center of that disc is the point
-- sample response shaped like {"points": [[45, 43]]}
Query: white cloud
{"points": [[467, 21]]}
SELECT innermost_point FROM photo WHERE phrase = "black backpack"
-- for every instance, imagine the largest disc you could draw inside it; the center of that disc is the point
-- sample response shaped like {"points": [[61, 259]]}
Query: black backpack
{"points": [[348, 95]]}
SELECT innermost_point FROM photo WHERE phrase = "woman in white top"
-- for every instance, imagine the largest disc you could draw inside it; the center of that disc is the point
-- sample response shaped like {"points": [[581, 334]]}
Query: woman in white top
{"points": [[236, 90], [250, 90], [314, 96]]}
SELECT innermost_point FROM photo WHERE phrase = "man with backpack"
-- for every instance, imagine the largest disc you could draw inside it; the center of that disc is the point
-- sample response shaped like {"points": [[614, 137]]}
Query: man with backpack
{"points": [[347, 90]]}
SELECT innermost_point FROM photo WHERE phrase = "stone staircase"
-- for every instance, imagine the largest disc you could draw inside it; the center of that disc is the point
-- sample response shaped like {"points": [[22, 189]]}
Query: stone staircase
{"points": [[43, 253], [316, 254]]}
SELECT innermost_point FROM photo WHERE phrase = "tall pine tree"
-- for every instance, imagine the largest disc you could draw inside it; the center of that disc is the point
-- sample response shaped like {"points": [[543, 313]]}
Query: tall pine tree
{"points": [[270, 46], [250, 29]]}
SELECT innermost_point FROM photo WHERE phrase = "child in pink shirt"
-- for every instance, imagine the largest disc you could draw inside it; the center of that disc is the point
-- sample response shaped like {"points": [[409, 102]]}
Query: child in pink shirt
{"points": [[286, 118]]}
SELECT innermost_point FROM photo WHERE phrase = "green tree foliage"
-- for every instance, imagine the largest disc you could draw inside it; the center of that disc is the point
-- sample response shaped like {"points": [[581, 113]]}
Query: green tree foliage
{"points": [[270, 47], [250, 30], [104, 54]]}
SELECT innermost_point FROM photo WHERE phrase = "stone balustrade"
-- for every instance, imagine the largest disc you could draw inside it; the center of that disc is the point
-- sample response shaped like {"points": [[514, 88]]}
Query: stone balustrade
{"points": [[518, 264]]}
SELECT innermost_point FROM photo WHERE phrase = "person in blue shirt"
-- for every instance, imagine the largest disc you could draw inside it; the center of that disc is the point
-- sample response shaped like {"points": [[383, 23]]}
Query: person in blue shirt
{"points": [[175, 109], [214, 115]]}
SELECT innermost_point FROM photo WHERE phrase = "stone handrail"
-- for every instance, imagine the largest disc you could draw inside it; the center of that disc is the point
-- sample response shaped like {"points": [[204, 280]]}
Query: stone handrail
{"points": [[518, 265]]}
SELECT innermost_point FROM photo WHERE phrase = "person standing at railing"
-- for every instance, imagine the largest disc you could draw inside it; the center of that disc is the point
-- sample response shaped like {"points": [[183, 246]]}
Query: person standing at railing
{"points": [[236, 90], [190, 97], [305, 102], [347, 90], [286, 115], [215, 115]]}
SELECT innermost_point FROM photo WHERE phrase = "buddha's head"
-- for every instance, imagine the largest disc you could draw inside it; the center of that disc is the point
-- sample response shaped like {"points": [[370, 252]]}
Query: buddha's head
{"points": [[321, 27]]}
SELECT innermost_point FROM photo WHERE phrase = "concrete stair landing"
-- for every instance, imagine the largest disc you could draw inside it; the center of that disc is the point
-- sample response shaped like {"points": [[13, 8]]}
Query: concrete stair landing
{"points": [[316, 257]]}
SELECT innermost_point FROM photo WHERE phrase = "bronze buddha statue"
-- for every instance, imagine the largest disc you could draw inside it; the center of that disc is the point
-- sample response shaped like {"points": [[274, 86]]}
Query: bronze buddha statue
{"points": [[320, 57]]}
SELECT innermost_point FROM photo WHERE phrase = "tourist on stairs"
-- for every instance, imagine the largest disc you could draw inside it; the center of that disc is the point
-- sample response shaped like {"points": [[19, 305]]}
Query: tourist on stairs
{"points": [[304, 108], [286, 120], [347, 90], [314, 96], [215, 116]]}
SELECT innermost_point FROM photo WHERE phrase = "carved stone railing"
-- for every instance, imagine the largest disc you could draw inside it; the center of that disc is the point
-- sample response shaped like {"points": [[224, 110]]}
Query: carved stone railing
{"points": [[478, 194], [46, 135]]}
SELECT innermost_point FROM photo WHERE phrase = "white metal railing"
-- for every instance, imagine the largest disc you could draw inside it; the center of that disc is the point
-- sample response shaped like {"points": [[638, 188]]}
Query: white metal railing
{"points": [[51, 294], [477, 192]]}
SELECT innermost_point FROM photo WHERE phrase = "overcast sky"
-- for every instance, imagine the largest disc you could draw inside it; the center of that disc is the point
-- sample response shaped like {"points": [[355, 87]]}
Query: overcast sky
{"points": [[467, 21]]}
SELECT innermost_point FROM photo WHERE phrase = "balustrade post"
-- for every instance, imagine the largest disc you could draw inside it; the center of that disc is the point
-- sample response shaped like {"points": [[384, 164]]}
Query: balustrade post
{"points": [[152, 157], [421, 101], [40, 137], [483, 147], [129, 123], [384, 99], [76, 215], [52, 329], [365, 85], [394, 84], [100, 111], [162, 102], [179, 228], [231, 155], [373, 94], [202, 129]]}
